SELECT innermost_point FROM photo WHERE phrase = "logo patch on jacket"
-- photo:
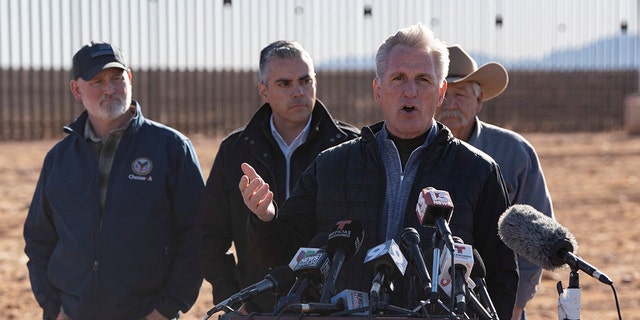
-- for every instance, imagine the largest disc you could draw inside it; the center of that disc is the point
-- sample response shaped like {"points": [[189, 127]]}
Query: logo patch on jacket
{"points": [[141, 168]]}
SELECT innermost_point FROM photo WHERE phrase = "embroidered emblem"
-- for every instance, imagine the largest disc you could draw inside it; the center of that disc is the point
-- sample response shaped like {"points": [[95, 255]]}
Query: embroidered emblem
{"points": [[142, 166]]}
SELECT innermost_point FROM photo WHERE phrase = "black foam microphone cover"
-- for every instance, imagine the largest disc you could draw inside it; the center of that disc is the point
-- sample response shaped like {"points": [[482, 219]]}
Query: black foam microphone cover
{"points": [[319, 241], [283, 278], [479, 270], [347, 236], [343, 243]]}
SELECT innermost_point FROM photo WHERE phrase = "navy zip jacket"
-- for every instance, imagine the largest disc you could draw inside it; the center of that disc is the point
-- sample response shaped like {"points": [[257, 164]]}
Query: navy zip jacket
{"points": [[349, 182], [142, 253]]}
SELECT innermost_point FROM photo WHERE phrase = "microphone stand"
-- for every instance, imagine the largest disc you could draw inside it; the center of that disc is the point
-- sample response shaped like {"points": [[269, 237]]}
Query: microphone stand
{"points": [[569, 298], [434, 297], [381, 304], [485, 299], [438, 243]]}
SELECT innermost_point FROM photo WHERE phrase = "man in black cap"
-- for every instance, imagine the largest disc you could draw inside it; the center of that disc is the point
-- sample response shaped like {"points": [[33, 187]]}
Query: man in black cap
{"points": [[109, 233]]}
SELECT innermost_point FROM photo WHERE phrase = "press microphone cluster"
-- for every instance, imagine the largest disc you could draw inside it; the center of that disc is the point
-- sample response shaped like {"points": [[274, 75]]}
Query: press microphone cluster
{"points": [[312, 274], [542, 240]]}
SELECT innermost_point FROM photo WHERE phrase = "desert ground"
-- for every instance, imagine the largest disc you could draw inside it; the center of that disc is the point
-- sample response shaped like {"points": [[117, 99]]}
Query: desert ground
{"points": [[594, 180]]}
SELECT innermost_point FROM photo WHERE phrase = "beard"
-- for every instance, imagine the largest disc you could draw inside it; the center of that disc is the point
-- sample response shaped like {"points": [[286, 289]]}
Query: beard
{"points": [[113, 107]]}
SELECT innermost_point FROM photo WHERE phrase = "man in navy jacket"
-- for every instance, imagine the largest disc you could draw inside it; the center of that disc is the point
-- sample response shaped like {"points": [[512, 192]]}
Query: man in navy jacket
{"points": [[109, 233]]}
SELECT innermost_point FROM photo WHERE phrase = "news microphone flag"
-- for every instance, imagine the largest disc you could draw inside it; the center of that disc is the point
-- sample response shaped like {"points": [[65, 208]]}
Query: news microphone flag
{"points": [[463, 255], [434, 209], [300, 254]]}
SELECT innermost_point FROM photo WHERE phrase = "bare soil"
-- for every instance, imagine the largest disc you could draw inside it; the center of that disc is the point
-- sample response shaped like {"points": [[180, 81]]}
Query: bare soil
{"points": [[594, 180]]}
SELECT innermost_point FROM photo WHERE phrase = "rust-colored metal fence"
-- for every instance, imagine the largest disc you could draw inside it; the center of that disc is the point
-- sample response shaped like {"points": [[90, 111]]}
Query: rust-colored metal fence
{"points": [[36, 104], [571, 63]]}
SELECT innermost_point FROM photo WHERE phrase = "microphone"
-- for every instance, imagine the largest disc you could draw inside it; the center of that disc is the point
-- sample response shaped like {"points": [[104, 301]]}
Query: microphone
{"points": [[343, 242], [314, 269], [542, 240], [478, 273], [352, 300], [314, 307], [300, 254], [278, 279], [311, 270], [318, 241], [434, 209], [479, 270], [346, 300], [384, 260], [459, 268], [411, 240]]}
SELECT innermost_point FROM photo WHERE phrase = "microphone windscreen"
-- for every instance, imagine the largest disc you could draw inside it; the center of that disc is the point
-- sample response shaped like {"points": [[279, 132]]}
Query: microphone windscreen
{"points": [[410, 236], [478, 270], [283, 277], [535, 236], [348, 236], [319, 241]]}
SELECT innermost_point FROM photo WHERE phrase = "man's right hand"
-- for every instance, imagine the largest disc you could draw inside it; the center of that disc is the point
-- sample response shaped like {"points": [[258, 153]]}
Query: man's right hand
{"points": [[256, 194]]}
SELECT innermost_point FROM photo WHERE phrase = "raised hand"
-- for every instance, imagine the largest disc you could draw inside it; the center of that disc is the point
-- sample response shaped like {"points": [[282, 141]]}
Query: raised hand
{"points": [[256, 194]]}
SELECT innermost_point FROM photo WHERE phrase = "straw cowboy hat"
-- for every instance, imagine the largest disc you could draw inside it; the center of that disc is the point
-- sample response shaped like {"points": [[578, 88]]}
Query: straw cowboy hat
{"points": [[492, 77]]}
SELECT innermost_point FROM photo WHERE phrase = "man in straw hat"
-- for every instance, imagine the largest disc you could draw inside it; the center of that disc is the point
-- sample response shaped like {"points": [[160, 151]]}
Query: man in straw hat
{"points": [[468, 87]]}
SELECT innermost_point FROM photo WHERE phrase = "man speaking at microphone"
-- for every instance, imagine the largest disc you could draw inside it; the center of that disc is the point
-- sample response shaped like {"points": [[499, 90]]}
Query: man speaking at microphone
{"points": [[376, 179]]}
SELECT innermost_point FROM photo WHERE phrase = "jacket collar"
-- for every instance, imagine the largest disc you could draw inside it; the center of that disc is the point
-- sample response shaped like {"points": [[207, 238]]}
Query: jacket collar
{"points": [[78, 125], [444, 135], [260, 122]]}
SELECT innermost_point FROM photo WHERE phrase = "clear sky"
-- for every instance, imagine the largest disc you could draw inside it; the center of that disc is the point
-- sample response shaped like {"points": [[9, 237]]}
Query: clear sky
{"points": [[337, 33]]}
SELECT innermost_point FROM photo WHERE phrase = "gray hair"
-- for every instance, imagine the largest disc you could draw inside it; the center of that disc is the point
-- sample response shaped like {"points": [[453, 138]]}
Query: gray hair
{"points": [[418, 37], [476, 87], [281, 49]]}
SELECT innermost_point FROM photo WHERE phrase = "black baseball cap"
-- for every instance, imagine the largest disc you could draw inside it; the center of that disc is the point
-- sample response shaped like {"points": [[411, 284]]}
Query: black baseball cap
{"points": [[95, 57]]}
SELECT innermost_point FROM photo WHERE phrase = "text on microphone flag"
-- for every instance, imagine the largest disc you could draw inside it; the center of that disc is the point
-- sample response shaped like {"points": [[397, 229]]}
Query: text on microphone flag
{"points": [[302, 252], [432, 199], [439, 197], [394, 251]]}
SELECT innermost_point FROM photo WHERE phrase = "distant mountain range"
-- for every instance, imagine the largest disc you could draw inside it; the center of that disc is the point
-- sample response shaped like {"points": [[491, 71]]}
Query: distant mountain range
{"points": [[613, 53]]}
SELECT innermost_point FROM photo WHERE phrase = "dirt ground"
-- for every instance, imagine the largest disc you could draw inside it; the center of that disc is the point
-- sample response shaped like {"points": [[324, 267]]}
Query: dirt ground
{"points": [[594, 181]]}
